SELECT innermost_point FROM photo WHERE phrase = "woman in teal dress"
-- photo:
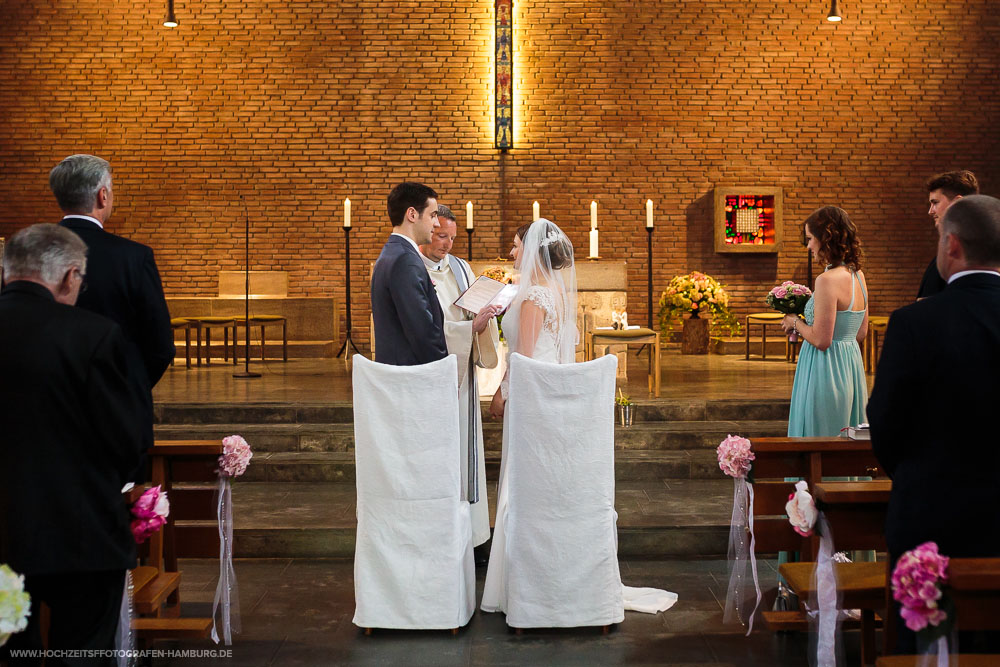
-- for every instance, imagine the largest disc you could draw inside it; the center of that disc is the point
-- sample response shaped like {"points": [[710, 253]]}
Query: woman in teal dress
{"points": [[830, 390]]}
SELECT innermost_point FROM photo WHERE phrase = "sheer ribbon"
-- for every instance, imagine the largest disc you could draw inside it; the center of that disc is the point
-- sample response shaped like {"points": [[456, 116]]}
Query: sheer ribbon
{"points": [[824, 604], [934, 654], [125, 638], [226, 607], [741, 550]]}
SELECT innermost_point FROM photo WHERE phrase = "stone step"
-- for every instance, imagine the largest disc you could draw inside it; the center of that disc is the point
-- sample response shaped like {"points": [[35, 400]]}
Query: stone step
{"points": [[656, 518], [631, 465], [339, 437], [646, 410]]}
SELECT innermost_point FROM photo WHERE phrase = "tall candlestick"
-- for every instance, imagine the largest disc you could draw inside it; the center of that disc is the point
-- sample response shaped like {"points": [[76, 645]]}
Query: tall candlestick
{"points": [[649, 213], [593, 243], [534, 212], [593, 215], [347, 214], [468, 215]]}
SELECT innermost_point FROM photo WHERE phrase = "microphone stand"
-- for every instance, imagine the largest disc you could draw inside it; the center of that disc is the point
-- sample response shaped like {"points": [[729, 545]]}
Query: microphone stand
{"points": [[246, 300]]}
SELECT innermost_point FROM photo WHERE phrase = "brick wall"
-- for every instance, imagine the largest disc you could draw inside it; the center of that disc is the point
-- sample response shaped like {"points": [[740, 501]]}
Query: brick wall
{"points": [[294, 106]]}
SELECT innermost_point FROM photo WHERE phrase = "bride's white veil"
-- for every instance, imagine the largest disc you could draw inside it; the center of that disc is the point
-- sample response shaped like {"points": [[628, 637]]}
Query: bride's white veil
{"points": [[546, 259]]}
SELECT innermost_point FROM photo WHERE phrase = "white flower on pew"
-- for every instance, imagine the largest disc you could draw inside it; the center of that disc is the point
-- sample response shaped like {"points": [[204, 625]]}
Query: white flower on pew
{"points": [[15, 604], [236, 455], [150, 512], [801, 509]]}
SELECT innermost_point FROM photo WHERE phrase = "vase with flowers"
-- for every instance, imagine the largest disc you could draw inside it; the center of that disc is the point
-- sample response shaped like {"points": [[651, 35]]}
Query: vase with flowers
{"points": [[705, 302]]}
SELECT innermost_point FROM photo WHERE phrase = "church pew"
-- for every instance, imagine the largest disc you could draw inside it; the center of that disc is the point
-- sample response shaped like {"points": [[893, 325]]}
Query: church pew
{"points": [[778, 458], [974, 586]]}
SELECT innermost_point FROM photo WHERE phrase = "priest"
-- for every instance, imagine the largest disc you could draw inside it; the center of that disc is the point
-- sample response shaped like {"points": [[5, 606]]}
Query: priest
{"points": [[475, 340]]}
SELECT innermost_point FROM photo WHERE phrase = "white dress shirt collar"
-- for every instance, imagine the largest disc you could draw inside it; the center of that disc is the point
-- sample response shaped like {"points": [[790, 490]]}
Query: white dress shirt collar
{"points": [[85, 217], [956, 276]]}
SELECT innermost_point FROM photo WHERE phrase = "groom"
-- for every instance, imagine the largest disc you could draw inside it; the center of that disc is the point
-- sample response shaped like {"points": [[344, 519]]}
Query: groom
{"points": [[409, 323]]}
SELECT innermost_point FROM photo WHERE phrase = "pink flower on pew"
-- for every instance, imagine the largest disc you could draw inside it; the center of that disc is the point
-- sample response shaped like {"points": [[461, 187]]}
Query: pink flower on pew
{"points": [[150, 512], [236, 455], [735, 456], [801, 509], [916, 585]]}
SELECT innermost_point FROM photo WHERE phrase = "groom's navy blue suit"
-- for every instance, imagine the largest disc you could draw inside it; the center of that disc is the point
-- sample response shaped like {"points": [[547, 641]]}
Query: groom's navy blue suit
{"points": [[933, 413], [409, 323]]}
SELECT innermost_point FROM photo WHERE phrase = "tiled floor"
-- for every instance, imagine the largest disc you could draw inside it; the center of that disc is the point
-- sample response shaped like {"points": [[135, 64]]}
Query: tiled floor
{"points": [[299, 612]]}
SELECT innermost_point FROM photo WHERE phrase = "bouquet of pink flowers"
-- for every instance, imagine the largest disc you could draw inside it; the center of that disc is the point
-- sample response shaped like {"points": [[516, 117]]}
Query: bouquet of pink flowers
{"points": [[735, 456], [916, 585], [789, 298], [236, 455], [150, 512]]}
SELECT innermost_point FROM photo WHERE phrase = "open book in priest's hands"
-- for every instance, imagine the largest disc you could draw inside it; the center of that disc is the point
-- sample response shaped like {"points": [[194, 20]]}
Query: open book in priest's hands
{"points": [[485, 292]]}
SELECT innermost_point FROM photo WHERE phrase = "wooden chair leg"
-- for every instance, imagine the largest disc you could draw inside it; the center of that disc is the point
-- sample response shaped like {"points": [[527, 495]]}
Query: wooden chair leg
{"points": [[187, 345], [763, 340], [368, 632], [225, 343], [262, 343], [867, 637], [208, 346], [747, 357], [284, 340]]}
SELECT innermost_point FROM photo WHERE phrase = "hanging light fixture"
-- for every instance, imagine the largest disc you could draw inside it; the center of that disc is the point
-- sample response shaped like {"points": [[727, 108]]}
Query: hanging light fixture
{"points": [[833, 16], [171, 20]]}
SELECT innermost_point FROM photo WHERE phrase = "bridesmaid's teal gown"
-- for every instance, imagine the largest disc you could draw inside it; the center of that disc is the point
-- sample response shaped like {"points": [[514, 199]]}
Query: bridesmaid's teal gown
{"points": [[830, 391]]}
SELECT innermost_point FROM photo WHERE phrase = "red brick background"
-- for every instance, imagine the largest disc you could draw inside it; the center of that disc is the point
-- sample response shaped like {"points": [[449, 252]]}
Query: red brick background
{"points": [[294, 106]]}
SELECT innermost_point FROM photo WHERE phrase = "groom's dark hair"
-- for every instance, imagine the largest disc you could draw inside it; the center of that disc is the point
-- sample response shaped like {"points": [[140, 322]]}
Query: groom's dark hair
{"points": [[406, 196]]}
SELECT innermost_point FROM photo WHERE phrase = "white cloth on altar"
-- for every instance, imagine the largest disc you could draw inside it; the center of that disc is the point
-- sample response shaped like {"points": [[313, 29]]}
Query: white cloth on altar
{"points": [[554, 559], [484, 351], [413, 564]]}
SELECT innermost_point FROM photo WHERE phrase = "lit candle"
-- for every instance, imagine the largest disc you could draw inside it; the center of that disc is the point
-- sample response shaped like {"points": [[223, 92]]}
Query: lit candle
{"points": [[649, 214], [593, 243], [593, 215], [347, 214], [468, 215], [534, 212]]}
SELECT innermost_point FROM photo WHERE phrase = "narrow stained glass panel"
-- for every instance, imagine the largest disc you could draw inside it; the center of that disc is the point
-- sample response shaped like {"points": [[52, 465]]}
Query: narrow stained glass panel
{"points": [[504, 135]]}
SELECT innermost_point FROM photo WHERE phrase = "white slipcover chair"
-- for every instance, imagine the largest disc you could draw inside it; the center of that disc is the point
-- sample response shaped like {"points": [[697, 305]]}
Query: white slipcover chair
{"points": [[413, 563], [560, 528]]}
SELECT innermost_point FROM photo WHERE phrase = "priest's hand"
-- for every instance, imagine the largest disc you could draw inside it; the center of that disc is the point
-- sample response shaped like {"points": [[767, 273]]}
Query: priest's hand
{"points": [[497, 405], [482, 320]]}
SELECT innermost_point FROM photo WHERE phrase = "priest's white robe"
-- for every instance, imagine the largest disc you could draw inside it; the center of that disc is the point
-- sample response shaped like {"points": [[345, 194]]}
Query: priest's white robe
{"points": [[451, 277]]}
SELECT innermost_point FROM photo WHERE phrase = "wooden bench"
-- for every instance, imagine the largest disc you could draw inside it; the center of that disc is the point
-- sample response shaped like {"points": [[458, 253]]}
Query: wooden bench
{"points": [[810, 459], [974, 587]]}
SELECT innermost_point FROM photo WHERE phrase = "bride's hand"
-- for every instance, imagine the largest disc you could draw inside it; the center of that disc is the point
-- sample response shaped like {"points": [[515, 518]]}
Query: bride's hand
{"points": [[497, 406], [483, 318]]}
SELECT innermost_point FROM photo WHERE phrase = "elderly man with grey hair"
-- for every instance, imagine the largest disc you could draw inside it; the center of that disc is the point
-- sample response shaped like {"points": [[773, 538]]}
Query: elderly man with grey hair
{"points": [[123, 281], [70, 422], [475, 340]]}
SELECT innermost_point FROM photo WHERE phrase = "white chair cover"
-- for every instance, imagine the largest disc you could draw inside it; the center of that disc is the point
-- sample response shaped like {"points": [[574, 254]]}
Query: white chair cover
{"points": [[561, 532], [413, 564]]}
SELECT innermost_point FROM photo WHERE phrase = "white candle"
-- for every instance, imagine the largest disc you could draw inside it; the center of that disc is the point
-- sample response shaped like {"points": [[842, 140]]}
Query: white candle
{"points": [[347, 214], [468, 215], [534, 212], [593, 243], [593, 215], [649, 214]]}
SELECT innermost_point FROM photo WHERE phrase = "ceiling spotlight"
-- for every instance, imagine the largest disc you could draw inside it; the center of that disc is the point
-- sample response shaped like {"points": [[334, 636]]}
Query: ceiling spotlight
{"points": [[834, 14], [171, 20]]}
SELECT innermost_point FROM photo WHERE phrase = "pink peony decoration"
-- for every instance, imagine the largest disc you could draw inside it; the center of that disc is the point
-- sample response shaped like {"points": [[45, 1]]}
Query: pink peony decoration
{"points": [[801, 509], [916, 585], [236, 455], [150, 512], [735, 456]]}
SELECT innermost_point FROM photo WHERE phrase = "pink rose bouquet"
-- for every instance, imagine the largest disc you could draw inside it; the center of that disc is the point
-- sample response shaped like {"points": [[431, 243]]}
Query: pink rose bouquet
{"points": [[735, 456], [150, 512], [801, 509], [789, 298], [236, 455], [916, 585]]}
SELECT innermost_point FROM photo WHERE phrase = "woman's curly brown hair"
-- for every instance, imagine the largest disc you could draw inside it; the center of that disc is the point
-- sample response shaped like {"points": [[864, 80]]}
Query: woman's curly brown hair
{"points": [[837, 236]]}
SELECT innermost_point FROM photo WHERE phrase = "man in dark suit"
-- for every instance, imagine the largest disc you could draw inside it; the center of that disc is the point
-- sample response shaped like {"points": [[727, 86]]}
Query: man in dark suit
{"points": [[934, 404], [409, 323], [69, 421], [123, 282], [943, 190]]}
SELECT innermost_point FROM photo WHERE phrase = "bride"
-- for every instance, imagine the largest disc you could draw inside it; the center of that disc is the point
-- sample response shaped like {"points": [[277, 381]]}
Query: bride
{"points": [[541, 324]]}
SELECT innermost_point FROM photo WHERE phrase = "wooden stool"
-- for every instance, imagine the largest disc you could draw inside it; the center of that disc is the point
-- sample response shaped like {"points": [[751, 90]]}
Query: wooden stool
{"points": [[641, 336], [207, 323], [185, 324], [263, 321], [877, 324], [764, 319]]}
